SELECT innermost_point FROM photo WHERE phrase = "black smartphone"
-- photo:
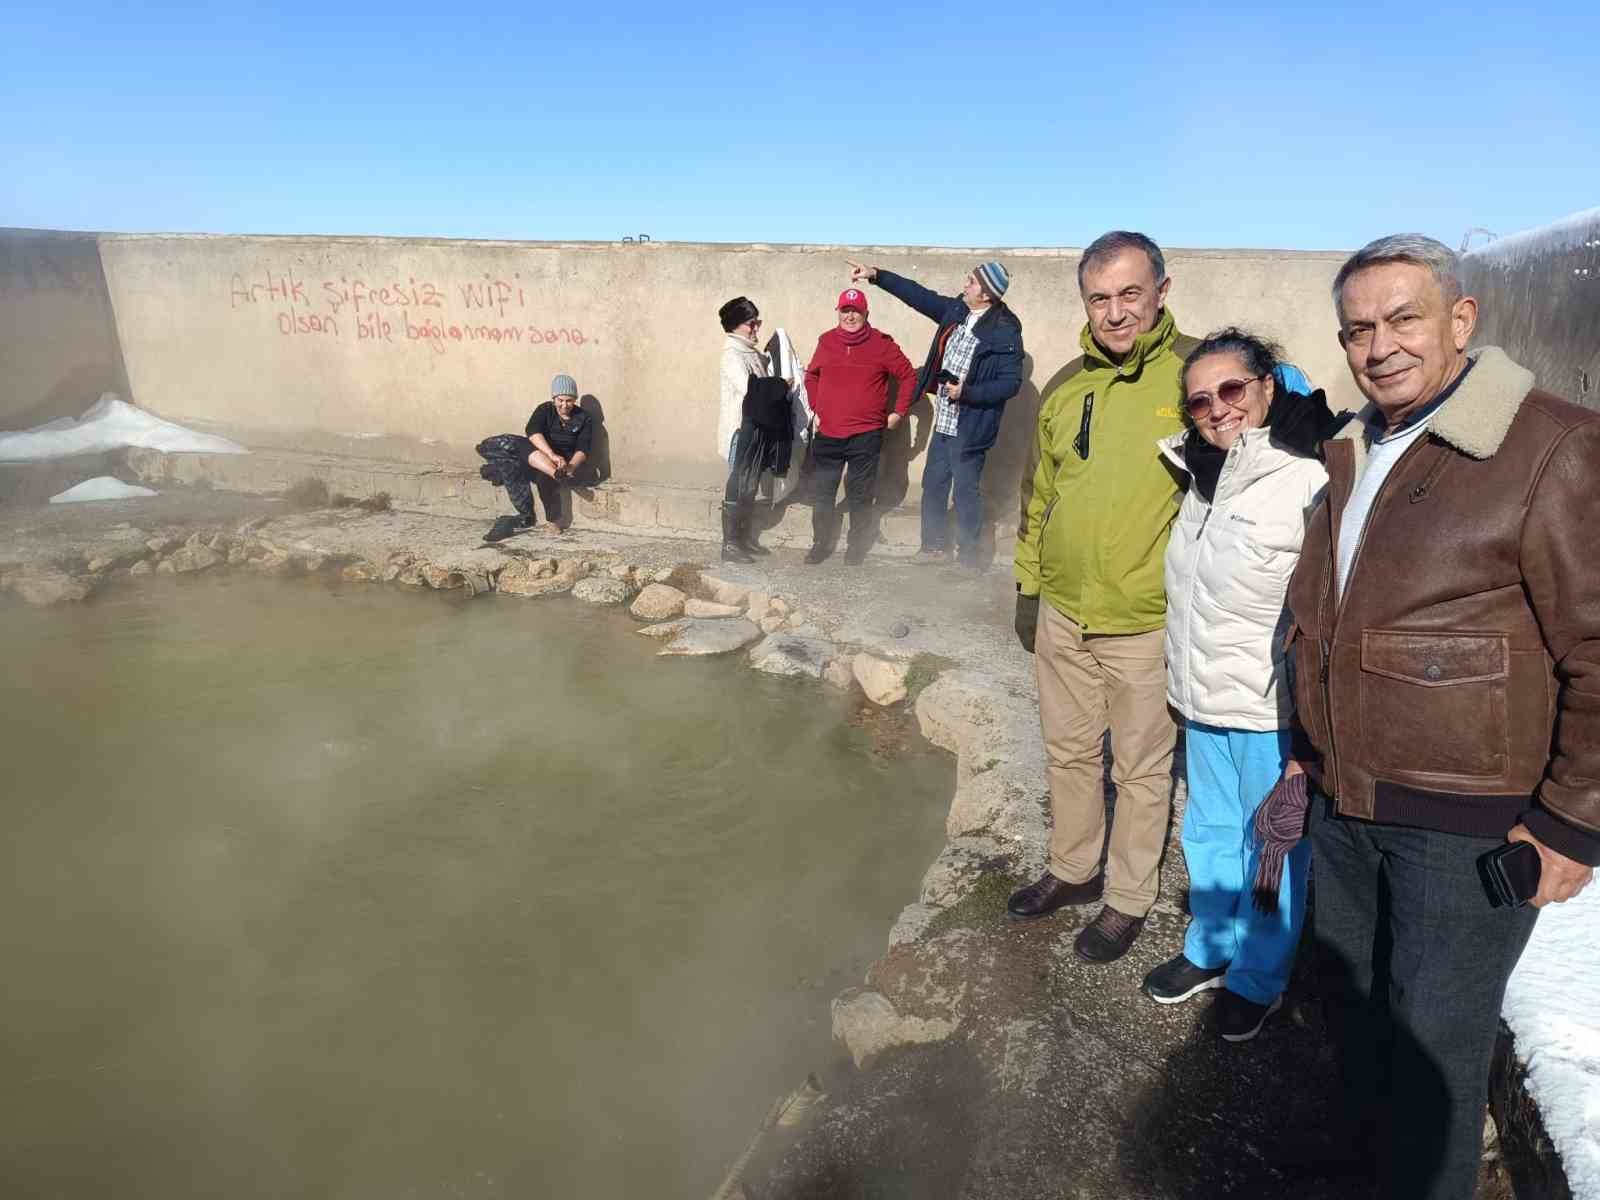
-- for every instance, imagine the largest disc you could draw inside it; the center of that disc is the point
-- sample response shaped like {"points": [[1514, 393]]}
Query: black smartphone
{"points": [[1511, 874]]}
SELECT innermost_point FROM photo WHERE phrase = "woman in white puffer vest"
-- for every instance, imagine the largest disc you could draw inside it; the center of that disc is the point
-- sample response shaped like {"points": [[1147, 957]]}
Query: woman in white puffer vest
{"points": [[1251, 457]]}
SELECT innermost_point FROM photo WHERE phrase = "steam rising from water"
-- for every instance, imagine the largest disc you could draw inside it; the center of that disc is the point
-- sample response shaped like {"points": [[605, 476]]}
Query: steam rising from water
{"points": [[351, 892]]}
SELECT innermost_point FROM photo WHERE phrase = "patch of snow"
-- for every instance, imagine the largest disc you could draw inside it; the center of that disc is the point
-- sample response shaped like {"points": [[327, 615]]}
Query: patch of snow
{"points": [[110, 424], [101, 487], [1553, 1008]]}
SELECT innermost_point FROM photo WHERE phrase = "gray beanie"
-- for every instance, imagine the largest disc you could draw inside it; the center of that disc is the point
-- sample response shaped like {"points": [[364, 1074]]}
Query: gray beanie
{"points": [[563, 385]]}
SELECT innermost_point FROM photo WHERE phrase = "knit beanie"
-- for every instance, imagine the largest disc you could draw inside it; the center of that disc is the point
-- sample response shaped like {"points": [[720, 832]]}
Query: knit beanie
{"points": [[994, 278], [563, 385], [736, 312]]}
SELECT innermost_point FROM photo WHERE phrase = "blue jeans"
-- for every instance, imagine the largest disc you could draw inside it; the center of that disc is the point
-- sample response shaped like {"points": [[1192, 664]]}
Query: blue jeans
{"points": [[944, 465], [1230, 773]]}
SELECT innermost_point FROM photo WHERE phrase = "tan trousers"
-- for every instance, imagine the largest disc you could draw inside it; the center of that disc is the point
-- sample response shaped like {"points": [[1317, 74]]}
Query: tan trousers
{"points": [[1085, 685]]}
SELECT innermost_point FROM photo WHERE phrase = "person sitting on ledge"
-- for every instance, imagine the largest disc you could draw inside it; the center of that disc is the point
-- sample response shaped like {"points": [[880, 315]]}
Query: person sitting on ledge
{"points": [[555, 451]]}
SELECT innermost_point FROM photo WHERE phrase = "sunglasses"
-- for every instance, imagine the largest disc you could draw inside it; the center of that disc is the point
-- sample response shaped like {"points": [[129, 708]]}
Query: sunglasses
{"points": [[1230, 392]]}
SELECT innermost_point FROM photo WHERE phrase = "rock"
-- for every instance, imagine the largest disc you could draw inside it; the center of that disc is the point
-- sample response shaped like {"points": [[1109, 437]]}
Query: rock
{"points": [[221, 543], [120, 558], [866, 1024], [771, 624], [665, 629], [600, 589], [757, 604], [725, 592], [162, 545], [912, 923], [899, 629], [519, 580], [663, 575], [195, 541], [361, 572], [441, 578], [721, 636], [798, 617], [142, 567], [779, 605], [785, 654], [237, 556], [658, 602], [193, 556], [959, 868], [837, 672], [883, 681], [620, 570], [50, 587], [165, 567], [708, 609]]}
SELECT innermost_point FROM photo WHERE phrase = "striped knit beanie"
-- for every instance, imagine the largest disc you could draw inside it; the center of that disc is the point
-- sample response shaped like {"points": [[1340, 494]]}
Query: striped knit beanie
{"points": [[994, 278]]}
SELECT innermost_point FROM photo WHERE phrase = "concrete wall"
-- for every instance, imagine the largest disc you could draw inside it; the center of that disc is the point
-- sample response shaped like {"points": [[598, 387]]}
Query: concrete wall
{"points": [[415, 349], [58, 338]]}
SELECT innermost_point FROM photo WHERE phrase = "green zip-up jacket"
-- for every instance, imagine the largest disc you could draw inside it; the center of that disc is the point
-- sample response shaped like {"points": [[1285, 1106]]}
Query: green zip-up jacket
{"points": [[1094, 531]]}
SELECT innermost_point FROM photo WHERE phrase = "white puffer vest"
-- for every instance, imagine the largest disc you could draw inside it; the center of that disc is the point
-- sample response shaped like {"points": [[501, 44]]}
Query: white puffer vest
{"points": [[1227, 570]]}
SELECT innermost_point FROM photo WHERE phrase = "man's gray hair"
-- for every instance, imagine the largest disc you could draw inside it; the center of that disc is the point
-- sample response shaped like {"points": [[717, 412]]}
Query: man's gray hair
{"points": [[1109, 245], [1442, 262]]}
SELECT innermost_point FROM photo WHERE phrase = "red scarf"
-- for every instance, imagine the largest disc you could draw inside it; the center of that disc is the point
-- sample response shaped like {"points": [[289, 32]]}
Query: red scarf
{"points": [[853, 339]]}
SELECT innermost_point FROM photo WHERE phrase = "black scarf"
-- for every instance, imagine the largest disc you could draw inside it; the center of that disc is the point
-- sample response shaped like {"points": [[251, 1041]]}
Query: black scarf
{"points": [[1296, 423]]}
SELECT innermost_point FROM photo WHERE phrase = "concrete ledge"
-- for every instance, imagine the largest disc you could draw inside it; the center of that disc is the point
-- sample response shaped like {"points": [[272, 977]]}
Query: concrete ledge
{"points": [[449, 490]]}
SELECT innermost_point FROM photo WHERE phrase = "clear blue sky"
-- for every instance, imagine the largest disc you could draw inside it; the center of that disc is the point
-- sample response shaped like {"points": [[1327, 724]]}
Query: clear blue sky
{"points": [[1302, 126]]}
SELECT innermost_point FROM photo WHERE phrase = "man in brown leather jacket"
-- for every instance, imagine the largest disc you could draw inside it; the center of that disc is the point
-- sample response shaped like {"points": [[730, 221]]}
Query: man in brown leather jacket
{"points": [[1446, 646]]}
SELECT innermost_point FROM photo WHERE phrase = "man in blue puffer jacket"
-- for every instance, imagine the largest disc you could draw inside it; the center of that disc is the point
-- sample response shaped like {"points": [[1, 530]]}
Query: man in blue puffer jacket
{"points": [[974, 366]]}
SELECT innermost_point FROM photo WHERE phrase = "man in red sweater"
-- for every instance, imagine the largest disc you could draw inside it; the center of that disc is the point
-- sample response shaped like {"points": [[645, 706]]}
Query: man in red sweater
{"points": [[848, 386]]}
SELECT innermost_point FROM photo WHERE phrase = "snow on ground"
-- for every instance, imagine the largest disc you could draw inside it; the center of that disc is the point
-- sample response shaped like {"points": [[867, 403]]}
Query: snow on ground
{"points": [[110, 424], [101, 487], [1553, 1007]]}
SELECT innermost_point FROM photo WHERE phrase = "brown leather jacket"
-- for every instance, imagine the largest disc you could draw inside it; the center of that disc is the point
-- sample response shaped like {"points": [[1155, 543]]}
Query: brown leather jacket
{"points": [[1456, 685]]}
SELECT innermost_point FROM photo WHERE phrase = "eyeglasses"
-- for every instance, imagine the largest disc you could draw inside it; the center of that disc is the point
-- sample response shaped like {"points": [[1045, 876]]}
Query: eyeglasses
{"points": [[1230, 392]]}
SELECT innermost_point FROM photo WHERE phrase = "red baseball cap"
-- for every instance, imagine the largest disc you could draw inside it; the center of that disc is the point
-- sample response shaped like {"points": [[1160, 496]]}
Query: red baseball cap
{"points": [[852, 298]]}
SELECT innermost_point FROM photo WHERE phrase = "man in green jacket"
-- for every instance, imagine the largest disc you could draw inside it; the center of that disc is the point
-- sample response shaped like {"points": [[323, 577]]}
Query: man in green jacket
{"points": [[1093, 537]]}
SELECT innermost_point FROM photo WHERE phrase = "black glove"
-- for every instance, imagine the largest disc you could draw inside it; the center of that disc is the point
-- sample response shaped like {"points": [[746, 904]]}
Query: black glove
{"points": [[1027, 619]]}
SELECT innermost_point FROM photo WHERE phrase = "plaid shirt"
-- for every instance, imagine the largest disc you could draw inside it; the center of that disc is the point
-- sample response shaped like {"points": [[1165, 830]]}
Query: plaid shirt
{"points": [[958, 352]]}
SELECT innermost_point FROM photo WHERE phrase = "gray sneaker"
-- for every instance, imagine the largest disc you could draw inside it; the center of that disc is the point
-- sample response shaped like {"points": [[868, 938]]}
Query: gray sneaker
{"points": [[929, 558], [1238, 1019]]}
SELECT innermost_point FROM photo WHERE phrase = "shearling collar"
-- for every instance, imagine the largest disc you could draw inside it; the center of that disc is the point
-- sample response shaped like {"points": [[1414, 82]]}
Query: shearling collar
{"points": [[1476, 418]]}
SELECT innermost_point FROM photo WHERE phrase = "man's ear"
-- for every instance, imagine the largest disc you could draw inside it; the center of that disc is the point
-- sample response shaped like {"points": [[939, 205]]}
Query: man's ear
{"points": [[1463, 320]]}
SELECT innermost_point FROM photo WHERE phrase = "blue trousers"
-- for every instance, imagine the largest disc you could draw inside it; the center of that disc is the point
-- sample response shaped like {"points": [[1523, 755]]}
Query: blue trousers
{"points": [[944, 465], [1230, 773]]}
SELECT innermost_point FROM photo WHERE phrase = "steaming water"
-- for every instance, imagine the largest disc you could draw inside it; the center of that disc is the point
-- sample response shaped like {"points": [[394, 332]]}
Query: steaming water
{"points": [[351, 892]]}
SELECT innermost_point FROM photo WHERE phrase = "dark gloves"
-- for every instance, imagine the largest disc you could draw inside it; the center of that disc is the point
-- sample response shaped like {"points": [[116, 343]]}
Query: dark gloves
{"points": [[1027, 619]]}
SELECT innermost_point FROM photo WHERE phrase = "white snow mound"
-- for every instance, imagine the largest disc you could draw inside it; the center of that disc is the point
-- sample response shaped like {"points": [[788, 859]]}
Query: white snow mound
{"points": [[1551, 1009], [110, 424], [101, 487]]}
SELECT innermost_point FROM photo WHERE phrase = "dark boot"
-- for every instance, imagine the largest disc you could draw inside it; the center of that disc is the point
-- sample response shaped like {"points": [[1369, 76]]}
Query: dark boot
{"points": [[732, 550], [505, 527], [747, 530]]}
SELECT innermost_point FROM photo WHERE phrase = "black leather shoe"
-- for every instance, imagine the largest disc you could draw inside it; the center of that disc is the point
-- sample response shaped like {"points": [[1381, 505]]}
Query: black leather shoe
{"points": [[816, 554], [1107, 937], [504, 527], [1047, 893]]}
